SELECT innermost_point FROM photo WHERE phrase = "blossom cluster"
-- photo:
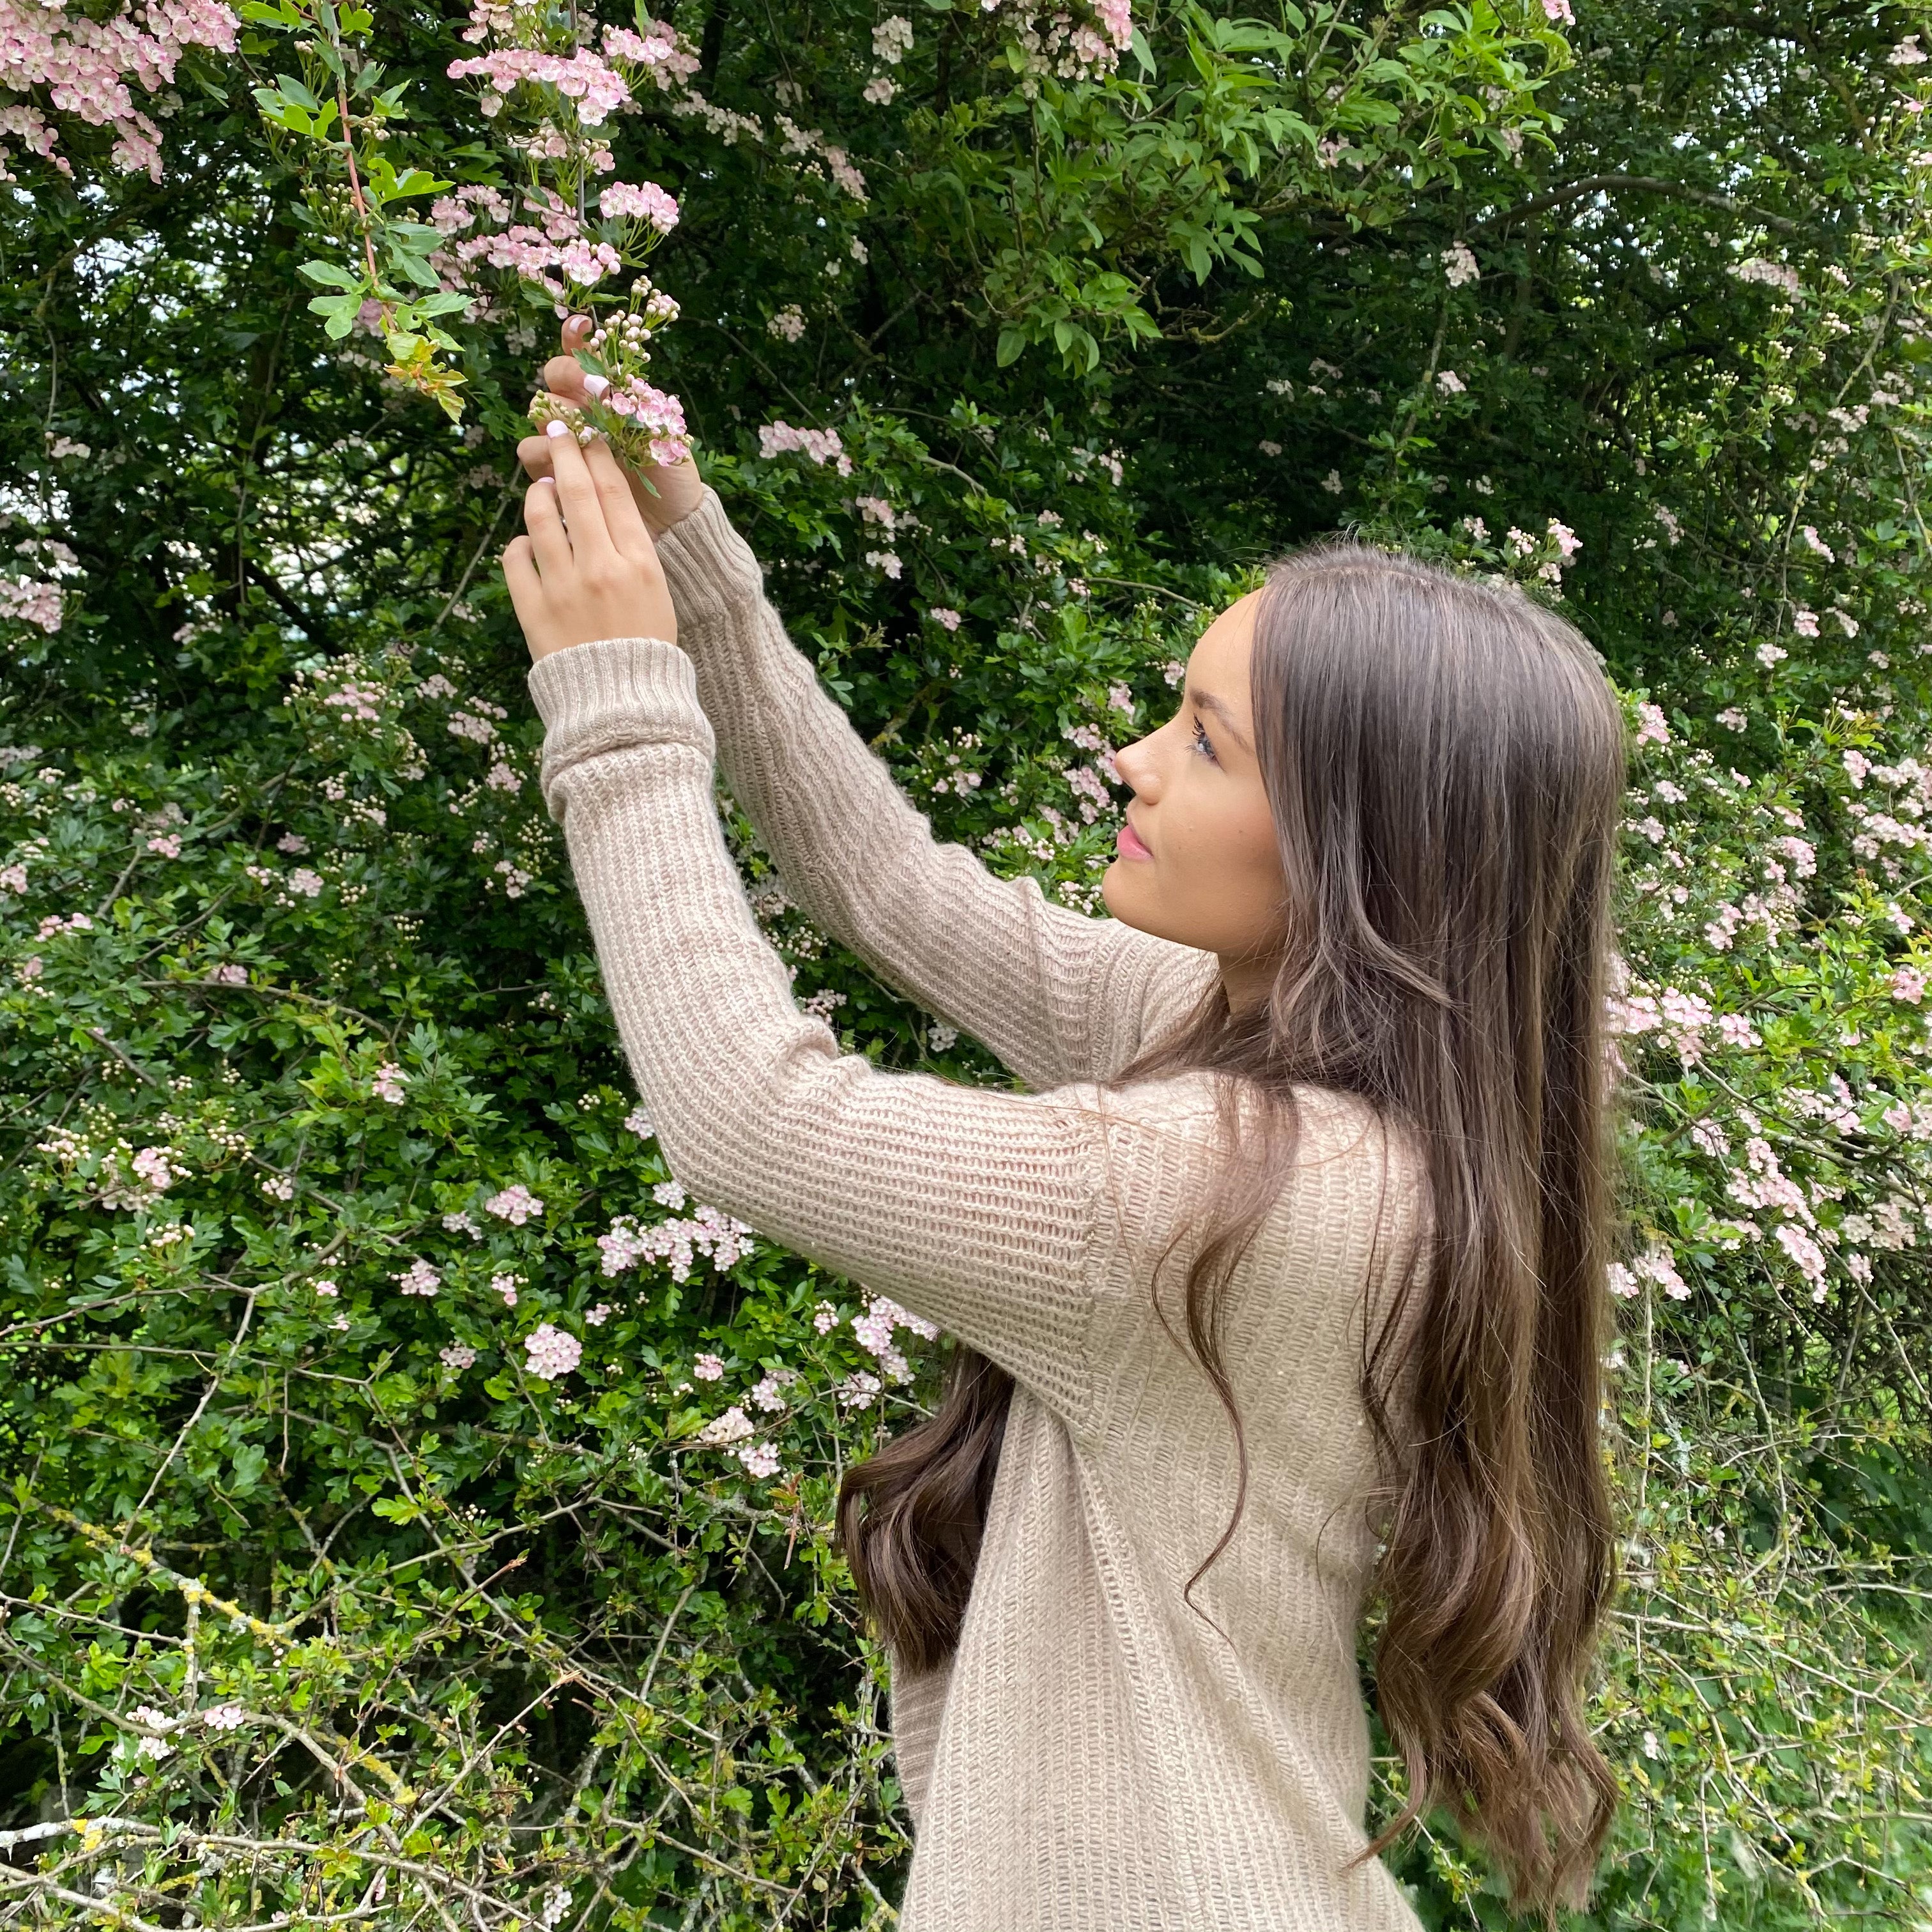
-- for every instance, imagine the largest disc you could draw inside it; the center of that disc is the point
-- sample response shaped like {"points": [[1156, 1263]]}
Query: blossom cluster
{"points": [[720, 1236], [821, 445], [553, 1351], [1070, 48], [78, 64], [533, 58], [39, 598]]}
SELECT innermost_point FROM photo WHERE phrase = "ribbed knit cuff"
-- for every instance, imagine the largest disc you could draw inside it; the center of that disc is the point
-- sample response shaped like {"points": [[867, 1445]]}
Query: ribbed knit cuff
{"points": [[708, 566], [610, 695]]}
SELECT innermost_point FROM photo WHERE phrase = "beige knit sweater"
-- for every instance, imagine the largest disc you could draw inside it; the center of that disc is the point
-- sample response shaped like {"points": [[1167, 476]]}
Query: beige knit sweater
{"points": [[1097, 1755]]}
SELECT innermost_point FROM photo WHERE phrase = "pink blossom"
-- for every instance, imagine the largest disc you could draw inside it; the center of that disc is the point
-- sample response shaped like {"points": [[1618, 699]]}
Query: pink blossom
{"points": [[86, 65], [363, 702], [1908, 984], [1809, 1256], [302, 881], [659, 51], [152, 1166], [675, 1242], [1658, 1265], [583, 77], [40, 603], [947, 619], [734, 1425], [646, 203], [1652, 728], [769, 1392], [553, 1351], [821, 445], [515, 1204], [1774, 275], [708, 1368], [1559, 11], [759, 1459], [857, 1390], [419, 1278], [387, 1083], [504, 1284], [166, 844], [874, 1329], [588, 262], [456, 1356]]}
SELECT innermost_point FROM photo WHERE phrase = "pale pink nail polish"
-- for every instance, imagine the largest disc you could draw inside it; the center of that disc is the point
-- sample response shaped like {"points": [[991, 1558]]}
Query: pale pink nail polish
{"points": [[595, 385], [556, 426]]}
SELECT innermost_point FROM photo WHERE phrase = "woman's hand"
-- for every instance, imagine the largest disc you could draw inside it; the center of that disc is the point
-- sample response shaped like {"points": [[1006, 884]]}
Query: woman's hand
{"points": [[588, 569], [678, 487]]}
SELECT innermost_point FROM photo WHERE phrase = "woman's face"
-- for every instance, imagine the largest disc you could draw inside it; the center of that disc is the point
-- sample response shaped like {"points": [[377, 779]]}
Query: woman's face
{"points": [[1197, 860]]}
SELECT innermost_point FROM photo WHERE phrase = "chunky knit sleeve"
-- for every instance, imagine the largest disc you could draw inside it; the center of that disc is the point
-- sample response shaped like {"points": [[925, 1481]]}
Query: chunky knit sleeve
{"points": [[1058, 996], [973, 1207]]}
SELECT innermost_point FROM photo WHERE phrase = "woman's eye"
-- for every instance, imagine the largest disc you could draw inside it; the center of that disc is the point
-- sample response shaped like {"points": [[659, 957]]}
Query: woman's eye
{"points": [[1202, 742]]}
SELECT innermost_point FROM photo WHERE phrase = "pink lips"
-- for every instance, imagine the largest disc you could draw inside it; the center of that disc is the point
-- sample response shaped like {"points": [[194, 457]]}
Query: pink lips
{"points": [[1128, 845]]}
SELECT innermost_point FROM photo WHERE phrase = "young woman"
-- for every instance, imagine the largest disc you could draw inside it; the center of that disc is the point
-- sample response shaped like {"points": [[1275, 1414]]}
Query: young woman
{"points": [[1325, 1094]]}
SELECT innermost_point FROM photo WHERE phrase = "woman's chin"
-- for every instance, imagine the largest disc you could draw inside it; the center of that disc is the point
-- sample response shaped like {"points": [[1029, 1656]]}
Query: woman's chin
{"points": [[1117, 893]]}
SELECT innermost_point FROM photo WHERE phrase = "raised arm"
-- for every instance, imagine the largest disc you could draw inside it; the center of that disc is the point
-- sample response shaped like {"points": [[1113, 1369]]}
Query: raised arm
{"points": [[1058, 996], [973, 1207]]}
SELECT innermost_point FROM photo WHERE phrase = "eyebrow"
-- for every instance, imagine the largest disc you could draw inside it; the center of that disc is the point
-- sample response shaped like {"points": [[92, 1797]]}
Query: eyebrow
{"points": [[1208, 701]]}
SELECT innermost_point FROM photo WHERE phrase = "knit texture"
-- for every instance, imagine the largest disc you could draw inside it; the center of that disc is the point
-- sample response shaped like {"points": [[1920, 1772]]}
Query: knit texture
{"points": [[1097, 1754]]}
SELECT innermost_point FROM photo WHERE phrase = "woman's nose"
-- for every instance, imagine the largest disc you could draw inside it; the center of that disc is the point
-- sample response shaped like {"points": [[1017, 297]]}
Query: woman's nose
{"points": [[1135, 763]]}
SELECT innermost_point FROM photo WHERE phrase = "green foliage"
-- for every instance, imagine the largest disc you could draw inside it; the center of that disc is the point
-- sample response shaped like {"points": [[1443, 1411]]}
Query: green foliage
{"points": [[317, 1598]]}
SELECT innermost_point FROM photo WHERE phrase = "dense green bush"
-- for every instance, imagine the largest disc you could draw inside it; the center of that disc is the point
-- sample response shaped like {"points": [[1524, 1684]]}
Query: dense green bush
{"points": [[419, 1511]]}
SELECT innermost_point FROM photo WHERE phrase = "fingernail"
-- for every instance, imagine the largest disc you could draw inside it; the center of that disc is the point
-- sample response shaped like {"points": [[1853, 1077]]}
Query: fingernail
{"points": [[556, 426], [595, 385]]}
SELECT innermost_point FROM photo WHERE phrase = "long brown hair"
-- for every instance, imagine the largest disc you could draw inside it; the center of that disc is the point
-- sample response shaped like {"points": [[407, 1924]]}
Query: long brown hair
{"points": [[1444, 760]]}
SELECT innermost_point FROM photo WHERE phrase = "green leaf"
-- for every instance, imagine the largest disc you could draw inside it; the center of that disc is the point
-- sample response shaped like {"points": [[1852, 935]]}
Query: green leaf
{"points": [[339, 313], [331, 275]]}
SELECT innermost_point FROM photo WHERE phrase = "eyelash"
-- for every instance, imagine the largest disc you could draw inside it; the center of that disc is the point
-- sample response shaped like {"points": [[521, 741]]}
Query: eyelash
{"points": [[1201, 739]]}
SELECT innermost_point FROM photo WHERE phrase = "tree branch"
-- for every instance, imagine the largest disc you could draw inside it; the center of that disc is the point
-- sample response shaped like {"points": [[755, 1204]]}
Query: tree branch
{"points": [[1641, 184]]}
